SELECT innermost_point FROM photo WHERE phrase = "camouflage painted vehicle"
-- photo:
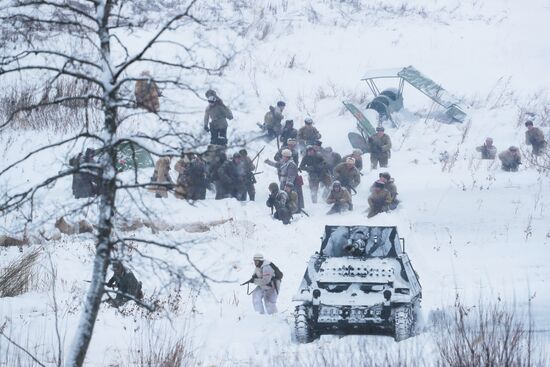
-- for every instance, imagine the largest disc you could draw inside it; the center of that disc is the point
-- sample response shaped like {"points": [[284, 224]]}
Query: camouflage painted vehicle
{"points": [[361, 282]]}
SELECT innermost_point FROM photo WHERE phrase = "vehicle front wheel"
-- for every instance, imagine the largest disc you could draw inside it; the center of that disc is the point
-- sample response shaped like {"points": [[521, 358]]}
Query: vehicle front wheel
{"points": [[403, 322], [302, 327]]}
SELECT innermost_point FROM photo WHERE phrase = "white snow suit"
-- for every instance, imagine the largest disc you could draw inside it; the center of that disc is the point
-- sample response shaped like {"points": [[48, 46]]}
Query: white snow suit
{"points": [[267, 289]]}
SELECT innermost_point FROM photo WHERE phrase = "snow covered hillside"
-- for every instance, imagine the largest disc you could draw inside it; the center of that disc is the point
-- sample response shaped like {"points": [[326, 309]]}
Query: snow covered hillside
{"points": [[471, 229]]}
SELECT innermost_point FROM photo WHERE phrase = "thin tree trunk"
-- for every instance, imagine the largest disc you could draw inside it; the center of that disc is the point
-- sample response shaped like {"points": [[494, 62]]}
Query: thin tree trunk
{"points": [[83, 336]]}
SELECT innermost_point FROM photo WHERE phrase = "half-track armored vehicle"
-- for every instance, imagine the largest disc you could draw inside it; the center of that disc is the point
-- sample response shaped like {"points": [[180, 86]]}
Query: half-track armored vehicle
{"points": [[361, 282]]}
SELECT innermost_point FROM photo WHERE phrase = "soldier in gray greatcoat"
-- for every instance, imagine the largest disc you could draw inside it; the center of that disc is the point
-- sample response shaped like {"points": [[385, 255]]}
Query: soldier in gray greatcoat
{"points": [[511, 159], [217, 114], [535, 137]]}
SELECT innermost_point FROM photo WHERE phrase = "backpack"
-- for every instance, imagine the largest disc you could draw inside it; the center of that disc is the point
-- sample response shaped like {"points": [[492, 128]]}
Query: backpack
{"points": [[278, 272]]}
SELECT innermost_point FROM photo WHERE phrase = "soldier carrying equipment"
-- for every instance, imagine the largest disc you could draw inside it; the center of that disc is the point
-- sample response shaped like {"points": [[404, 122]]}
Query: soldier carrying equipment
{"points": [[267, 277], [347, 174]]}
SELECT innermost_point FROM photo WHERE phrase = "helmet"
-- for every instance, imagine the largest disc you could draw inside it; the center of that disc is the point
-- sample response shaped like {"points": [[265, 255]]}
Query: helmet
{"points": [[513, 148], [336, 183], [243, 152], [528, 123], [289, 122], [210, 92], [310, 147], [318, 143], [385, 175], [358, 152], [291, 141], [236, 155], [273, 187], [380, 128], [286, 153], [289, 184], [258, 257], [308, 120], [281, 104], [350, 160]]}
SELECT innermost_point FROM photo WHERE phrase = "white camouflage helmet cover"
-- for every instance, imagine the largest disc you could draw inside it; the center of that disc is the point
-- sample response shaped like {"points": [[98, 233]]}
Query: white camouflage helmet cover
{"points": [[258, 257]]}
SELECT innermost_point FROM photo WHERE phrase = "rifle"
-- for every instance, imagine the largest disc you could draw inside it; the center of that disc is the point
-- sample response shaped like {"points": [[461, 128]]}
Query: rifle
{"points": [[247, 283], [303, 211], [257, 156], [251, 280]]}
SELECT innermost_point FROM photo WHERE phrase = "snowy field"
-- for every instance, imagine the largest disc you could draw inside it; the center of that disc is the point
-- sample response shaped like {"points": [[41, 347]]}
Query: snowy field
{"points": [[471, 229]]}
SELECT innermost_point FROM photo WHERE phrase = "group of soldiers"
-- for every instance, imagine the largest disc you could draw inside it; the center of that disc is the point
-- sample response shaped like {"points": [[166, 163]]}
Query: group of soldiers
{"points": [[511, 157], [230, 178], [303, 151]]}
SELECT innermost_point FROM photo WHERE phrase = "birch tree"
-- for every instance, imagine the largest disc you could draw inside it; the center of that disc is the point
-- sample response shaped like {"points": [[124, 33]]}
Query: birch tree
{"points": [[87, 41]]}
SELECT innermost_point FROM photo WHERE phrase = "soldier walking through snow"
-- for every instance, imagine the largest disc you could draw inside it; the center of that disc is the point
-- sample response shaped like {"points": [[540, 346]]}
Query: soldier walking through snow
{"points": [[340, 197], [379, 199], [195, 179], [535, 137], [249, 178], [288, 132], [291, 145], [511, 159], [317, 170], [161, 177], [331, 157], [357, 154], [389, 185], [278, 201], [488, 150], [347, 174], [217, 114], [231, 177], [267, 278], [308, 134], [273, 118], [379, 146], [85, 181]]}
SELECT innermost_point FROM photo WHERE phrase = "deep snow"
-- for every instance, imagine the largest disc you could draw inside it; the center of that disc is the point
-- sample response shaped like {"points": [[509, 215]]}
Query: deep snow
{"points": [[470, 228]]}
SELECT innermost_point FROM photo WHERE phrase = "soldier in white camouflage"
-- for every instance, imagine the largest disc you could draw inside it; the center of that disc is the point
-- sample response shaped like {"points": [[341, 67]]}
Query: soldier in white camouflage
{"points": [[268, 285]]}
